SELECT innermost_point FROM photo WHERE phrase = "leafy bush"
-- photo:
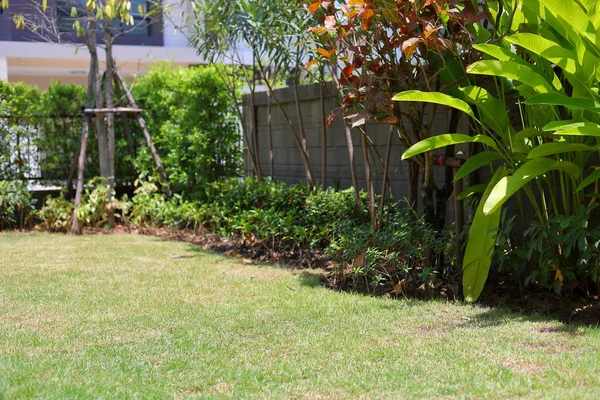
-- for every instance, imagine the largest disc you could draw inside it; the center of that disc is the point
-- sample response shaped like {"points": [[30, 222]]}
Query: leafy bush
{"points": [[15, 205], [56, 215], [97, 200], [19, 107], [193, 124]]}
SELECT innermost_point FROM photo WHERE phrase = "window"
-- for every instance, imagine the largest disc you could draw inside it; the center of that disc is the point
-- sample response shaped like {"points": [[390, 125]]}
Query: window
{"points": [[140, 28]]}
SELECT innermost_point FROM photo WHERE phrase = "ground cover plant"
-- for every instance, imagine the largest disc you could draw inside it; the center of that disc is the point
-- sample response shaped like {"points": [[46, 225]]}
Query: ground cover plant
{"points": [[132, 316]]}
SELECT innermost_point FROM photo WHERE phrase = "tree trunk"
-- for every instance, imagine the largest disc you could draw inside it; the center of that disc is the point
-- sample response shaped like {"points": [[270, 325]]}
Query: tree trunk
{"points": [[110, 119], [386, 171], [75, 227], [125, 120], [323, 139], [159, 167], [309, 179], [370, 189], [350, 145], [270, 134]]}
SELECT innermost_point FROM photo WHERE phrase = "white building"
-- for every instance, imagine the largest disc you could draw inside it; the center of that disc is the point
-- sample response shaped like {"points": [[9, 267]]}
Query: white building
{"points": [[23, 57]]}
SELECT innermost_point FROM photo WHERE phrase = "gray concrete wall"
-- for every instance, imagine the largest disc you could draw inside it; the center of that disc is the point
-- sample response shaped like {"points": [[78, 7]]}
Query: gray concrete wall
{"points": [[287, 158]]}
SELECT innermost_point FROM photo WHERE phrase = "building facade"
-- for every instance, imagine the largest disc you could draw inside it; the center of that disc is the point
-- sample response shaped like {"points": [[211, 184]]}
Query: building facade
{"points": [[24, 56]]}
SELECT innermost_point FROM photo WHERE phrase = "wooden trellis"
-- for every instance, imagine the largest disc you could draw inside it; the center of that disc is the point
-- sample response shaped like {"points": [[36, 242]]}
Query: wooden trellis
{"points": [[89, 113]]}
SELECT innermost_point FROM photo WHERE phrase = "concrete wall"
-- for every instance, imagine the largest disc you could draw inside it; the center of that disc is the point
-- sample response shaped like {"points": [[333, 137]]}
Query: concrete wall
{"points": [[287, 158]]}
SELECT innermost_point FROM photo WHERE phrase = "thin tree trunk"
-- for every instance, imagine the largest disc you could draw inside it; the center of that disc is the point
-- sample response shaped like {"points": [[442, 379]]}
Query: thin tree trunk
{"points": [[75, 227], [71, 174], [297, 139], [270, 134], [110, 119], [350, 145], [92, 77], [370, 189], [159, 167], [254, 135], [323, 139], [413, 183], [125, 120], [386, 170], [310, 182]]}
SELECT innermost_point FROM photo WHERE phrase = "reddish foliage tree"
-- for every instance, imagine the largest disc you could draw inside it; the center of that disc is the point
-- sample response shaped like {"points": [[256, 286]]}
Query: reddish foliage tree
{"points": [[375, 49]]}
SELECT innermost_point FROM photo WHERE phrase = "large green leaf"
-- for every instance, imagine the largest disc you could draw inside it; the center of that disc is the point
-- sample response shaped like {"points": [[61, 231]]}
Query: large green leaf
{"points": [[493, 111], [531, 132], [471, 190], [435, 97], [509, 185], [574, 127], [504, 54], [475, 162], [447, 139], [591, 178], [548, 149], [551, 51], [558, 99], [510, 70], [571, 13], [482, 238]]}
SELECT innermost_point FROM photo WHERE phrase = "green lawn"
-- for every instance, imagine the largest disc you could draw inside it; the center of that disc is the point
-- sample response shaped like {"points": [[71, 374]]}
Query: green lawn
{"points": [[130, 316]]}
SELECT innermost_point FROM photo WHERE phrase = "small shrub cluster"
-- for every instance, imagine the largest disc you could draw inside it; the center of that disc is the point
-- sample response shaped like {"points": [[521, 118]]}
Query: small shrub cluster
{"points": [[273, 221], [15, 205]]}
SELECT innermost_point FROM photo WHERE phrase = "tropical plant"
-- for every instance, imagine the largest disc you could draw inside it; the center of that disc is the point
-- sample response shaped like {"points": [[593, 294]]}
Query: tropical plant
{"points": [[548, 77]]}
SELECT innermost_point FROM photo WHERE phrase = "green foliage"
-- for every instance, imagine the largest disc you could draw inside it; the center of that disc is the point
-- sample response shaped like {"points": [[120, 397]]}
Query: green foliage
{"points": [[15, 205], [283, 221], [97, 200], [552, 80], [19, 106], [61, 131], [193, 124], [56, 215]]}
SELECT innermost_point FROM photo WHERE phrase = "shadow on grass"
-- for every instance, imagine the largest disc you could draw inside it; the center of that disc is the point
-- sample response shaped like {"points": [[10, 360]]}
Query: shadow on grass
{"points": [[496, 315]]}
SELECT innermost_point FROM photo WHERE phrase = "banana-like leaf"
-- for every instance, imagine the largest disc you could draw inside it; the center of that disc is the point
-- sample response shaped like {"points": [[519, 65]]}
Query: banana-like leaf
{"points": [[509, 185], [504, 54], [475, 162], [435, 97], [482, 238], [531, 132], [548, 149], [574, 127], [493, 111], [571, 13], [565, 124], [551, 51], [510, 70], [471, 190], [591, 178], [558, 99], [447, 139]]}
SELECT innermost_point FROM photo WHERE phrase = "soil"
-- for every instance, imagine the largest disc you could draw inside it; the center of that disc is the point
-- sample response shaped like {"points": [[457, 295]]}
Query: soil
{"points": [[575, 307]]}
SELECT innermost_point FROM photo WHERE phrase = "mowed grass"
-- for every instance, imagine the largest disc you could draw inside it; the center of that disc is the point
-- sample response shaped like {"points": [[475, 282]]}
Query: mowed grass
{"points": [[131, 316]]}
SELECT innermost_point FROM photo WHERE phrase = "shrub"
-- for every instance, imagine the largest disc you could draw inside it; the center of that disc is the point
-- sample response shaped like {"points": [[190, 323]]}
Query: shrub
{"points": [[193, 125], [15, 205]]}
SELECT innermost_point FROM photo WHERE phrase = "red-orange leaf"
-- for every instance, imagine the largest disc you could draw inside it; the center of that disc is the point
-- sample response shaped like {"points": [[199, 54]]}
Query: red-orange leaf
{"points": [[310, 64], [410, 46], [366, 18], [325, 53], [314, 7]]}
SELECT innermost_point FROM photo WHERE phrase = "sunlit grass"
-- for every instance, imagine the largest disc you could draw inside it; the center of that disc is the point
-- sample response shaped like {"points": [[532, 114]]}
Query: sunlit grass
{"points": [[130, 316]]}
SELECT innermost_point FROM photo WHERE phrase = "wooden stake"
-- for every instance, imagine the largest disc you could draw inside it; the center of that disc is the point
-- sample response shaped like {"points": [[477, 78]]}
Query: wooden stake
{"points": [[75, 227], [159, 167]]}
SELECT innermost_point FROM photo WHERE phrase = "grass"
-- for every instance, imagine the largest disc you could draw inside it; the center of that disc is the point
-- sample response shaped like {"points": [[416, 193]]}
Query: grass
{"points": [[129, 316]]}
